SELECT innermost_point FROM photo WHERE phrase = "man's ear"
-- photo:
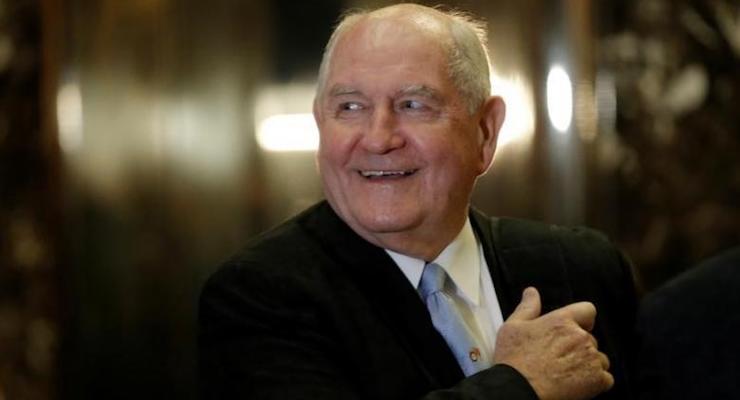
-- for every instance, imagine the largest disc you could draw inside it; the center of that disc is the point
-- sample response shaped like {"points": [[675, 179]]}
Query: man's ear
{"points": [[316, 112], [318, 117], [492, 117]]}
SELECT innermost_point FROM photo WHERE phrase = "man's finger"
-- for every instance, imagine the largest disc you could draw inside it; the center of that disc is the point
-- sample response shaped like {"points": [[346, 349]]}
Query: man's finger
{"points": [[608, 380], [583, 313], [593, 340], [529, 308]]}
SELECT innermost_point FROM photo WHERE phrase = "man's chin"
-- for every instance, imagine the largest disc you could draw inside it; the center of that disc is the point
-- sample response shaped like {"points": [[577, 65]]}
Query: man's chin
{"points": [[371, 220], [384, 223]]}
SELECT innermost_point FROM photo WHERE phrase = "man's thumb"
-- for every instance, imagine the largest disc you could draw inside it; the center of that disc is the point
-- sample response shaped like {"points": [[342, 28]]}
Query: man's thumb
{"points": [[529, 308]]}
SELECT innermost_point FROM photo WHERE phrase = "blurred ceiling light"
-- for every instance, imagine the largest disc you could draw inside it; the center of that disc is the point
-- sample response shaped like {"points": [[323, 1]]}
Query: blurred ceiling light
{"points": [[283, 118], [559, 98], [69, 117], [520, 119], [288, 132]]}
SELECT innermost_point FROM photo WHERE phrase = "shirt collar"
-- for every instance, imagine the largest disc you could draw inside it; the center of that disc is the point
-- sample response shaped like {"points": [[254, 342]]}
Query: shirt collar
{"points": [[460, 259]]}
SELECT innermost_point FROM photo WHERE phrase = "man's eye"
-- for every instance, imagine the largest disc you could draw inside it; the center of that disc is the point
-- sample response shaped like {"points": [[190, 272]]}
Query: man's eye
{"points": [[412, 105], [350, 106]]}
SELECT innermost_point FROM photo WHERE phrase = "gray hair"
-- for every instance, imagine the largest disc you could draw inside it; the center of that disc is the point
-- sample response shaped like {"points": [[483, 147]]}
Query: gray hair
{"points": [[467, 54]]}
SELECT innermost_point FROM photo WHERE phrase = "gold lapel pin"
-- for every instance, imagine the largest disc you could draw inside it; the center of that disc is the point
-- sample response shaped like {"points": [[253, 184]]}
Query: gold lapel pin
{"points": [[474, 354]]}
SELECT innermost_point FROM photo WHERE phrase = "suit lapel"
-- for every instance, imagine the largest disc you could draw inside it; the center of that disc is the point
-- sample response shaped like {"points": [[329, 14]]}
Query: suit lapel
{"points": [[385, 287], [521, 254]]}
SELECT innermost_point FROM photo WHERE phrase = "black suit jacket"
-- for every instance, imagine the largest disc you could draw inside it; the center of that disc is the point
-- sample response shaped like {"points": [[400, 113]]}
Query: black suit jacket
{"points": [[310, 310], [689, 331]]}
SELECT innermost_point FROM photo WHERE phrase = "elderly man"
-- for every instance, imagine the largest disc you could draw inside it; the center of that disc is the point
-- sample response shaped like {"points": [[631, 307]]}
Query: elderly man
{"points": [[394, 288]]}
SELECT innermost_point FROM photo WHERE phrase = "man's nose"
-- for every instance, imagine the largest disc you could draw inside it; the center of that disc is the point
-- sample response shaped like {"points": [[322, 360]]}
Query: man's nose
{"points": [[383, 136]]}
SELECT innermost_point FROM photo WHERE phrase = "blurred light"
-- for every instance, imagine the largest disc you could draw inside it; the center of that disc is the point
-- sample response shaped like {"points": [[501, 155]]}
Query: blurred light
{"points": [[199, 133], [520, 119], [559, 98], [729, 22], [687, 90], [69, 117], [288, 132], [7, 51], [585, 110], [606, 102], [283, 118]]}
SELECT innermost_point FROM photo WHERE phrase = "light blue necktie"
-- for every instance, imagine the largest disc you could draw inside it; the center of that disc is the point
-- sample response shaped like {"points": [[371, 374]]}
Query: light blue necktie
{"points": [[448, 321]]}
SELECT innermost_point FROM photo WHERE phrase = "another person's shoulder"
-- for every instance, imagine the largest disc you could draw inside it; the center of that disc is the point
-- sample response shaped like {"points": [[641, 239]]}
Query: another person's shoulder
{"points": [[710, 274], [713, 281], [688, 329]]}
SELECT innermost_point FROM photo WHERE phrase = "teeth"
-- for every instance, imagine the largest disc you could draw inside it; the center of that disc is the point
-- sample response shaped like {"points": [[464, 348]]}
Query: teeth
{"points": [[368, 174]]}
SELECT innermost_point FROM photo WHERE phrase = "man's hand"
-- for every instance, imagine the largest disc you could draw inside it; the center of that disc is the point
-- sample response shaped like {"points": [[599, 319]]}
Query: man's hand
{"points": [[555, 351]]}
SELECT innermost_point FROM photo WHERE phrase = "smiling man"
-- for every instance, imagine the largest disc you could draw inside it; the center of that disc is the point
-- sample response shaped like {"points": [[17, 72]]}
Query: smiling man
{"points": [[400, 147], [394, 288]]}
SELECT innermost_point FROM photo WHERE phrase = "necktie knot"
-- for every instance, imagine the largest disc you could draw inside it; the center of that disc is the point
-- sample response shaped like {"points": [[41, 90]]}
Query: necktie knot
{"points": [[433, 280]]}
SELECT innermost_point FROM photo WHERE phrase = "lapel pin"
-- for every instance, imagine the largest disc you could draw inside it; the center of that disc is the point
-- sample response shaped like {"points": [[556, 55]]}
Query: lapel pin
{"points": [[474, 354]]}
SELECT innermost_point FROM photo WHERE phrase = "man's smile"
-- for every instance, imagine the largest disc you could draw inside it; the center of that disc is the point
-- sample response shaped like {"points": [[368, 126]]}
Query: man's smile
{"points": [[386, 174]]}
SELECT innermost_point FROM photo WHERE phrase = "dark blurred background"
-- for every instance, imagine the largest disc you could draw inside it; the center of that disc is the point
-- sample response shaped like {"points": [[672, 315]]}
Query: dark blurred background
{"points": [[143, 141]]}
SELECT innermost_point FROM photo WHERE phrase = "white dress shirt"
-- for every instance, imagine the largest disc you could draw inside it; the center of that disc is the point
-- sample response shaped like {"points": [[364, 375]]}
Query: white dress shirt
{"points": [[475, 295]]}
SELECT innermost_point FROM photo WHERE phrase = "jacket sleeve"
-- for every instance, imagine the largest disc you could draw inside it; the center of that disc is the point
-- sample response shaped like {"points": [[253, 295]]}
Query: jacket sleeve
{"points": [[259, 341]]}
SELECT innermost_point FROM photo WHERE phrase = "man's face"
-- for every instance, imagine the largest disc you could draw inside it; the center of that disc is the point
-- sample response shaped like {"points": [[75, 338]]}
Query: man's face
{"points": [[399, 151]]}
